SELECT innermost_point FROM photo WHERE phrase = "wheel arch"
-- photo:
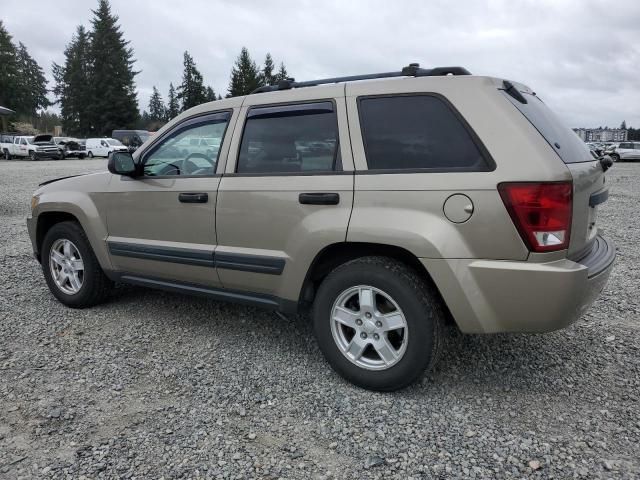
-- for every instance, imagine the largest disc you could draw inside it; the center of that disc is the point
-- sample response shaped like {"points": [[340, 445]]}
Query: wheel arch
{"points": [[334, 255]]}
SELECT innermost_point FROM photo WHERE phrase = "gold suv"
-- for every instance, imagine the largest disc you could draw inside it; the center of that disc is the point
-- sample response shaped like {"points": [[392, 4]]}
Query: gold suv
{"points": [[387, 203]]}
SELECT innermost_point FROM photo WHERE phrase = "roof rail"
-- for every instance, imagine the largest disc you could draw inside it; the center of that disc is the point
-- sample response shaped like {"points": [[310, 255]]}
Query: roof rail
{"points": [[411, 70]]}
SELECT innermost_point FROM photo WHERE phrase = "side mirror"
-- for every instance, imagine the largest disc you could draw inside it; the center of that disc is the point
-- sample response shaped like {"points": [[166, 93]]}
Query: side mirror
{"points": [[122, 163]]}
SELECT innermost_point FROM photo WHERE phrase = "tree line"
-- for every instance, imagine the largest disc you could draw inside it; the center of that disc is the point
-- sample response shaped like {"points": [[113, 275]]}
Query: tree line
{"points": [[246, 76], [95, 85]]}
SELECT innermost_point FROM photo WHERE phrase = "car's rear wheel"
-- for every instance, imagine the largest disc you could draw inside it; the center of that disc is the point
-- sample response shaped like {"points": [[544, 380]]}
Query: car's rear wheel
{"points": [[70, 267], [7, 155], [378, 323], [90, 154]]}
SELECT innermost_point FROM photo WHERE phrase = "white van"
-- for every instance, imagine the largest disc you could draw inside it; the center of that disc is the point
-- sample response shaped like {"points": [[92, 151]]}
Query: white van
{"points": [[102, 147]]}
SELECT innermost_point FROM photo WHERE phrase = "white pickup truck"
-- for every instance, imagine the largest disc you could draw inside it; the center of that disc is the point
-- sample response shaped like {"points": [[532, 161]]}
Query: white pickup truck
{"points": [[33, 148]]}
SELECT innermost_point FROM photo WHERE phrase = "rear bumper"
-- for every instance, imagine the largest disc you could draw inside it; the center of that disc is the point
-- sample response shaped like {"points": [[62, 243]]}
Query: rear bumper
{"points": [[491, 296]]}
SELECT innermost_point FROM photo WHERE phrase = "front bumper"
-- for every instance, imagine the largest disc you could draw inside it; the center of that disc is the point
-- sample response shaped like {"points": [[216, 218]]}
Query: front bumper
{"points": [[491, 296], [47, 154]]}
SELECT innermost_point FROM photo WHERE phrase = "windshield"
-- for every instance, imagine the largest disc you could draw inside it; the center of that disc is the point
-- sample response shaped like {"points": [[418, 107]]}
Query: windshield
{"points": [[113, 142], [30, 140]]}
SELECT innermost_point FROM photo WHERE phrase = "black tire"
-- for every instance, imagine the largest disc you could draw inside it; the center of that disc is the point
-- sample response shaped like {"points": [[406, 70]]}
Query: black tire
{"points": [[90, 154], [418, 300], [95, 285], [32, 156], [7, 155], [615, 157], [81, 156]]}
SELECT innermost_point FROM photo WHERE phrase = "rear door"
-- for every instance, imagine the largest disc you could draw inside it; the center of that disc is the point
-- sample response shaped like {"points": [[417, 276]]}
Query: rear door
{"points": [[287, 191], [162, 225], [589, 190]]}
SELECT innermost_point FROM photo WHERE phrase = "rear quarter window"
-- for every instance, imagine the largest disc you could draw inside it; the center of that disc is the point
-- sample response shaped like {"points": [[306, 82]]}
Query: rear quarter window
{"points": [[560, 138], [418, 132]]}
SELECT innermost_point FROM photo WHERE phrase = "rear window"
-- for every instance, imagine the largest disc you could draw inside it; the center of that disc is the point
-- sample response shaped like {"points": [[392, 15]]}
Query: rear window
{"points": [[561, 138], [416, 132]]}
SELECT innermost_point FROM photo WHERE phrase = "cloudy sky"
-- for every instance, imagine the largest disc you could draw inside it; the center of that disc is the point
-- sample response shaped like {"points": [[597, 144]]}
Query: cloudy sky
{"points": [[581, 56]]}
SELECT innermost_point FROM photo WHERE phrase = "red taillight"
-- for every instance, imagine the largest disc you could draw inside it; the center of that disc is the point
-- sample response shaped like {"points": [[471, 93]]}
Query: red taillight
{"points": [[541, 212]]}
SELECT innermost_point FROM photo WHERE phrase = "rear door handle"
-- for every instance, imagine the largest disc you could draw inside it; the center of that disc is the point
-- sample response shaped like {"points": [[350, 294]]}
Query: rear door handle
{"points": [[193, 197], [319, 198]]}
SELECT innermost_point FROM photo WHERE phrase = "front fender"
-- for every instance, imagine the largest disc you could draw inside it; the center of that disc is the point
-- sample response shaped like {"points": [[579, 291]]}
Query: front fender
{"points": [[83, 206]]}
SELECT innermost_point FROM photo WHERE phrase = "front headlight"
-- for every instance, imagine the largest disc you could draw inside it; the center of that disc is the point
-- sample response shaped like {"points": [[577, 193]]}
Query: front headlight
{"points": [[34, 202]]}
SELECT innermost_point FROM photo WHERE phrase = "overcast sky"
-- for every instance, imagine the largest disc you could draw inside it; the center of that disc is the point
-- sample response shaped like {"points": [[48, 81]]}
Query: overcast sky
{"points": [[581, 57]]}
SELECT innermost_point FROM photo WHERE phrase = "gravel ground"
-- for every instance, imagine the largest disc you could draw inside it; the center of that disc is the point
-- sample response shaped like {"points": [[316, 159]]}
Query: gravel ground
{"points": [[153, 384]]}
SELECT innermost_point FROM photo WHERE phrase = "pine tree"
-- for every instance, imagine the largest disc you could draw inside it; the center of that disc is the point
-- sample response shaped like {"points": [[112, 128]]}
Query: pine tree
{"points": [[9, 76], [282, 74], [157, 110], [268, 77], [72, 88], [33, 91], [173, 107], [623, 125], [210, 94], [191, 91], [113, 101], [245, 76]]}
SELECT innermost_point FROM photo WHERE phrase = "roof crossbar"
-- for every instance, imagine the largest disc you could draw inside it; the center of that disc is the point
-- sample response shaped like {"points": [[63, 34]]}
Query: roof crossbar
{"points": [[412, 70]]}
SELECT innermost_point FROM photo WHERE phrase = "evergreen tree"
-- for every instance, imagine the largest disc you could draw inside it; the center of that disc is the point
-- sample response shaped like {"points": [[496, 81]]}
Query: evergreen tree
{"points": [[33, 92], [623, 125], [191, 91], [268, 77], [72, 88], [157, 110], [173, 107], [245, 76], [23, 87], [282, 74], [210, 94], [9, 76], [111, 77]]}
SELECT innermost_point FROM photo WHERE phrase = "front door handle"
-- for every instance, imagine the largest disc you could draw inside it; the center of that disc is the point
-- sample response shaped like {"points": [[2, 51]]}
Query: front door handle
{"points": [[319, 198], [193, 197]]}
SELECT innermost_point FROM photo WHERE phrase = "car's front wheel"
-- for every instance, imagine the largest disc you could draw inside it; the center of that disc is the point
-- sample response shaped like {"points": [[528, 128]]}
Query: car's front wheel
{"points": [[32, 156], [615, 157], [378, 323], [70, 267]]}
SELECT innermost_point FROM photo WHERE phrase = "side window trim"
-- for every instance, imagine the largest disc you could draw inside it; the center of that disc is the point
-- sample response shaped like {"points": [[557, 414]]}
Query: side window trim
{"points": [[490, 163], [326, 105], [190, 122]]}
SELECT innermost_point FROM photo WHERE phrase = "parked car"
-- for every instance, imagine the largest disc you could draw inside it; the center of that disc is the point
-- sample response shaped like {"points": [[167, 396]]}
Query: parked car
{"points": [[435, 201], [625, 151], [132, 139], [70, 147], [102, 147], [25, 146]]}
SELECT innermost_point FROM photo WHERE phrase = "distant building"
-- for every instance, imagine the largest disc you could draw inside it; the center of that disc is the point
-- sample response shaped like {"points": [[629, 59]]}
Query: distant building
{"points": [[601, 134]]}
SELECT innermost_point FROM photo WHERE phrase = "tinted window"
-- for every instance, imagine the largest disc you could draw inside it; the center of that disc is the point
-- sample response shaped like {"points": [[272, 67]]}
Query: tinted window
{"points": [[626, 145], [294, 138], [416, 132], [561, 138], [191, 149]]}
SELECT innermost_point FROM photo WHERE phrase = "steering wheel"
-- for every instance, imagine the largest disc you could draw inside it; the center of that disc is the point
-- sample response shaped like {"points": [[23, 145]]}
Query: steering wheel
{"points": [[188, 167]]}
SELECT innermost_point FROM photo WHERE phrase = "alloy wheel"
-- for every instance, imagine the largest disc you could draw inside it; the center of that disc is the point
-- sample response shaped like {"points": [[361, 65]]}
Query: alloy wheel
{"points": [[67, 267]]}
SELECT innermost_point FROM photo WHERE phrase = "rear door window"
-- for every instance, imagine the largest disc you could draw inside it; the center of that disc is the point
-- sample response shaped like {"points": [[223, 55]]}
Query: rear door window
{"points": [[561, 138], [417, 132], [299, 138]]}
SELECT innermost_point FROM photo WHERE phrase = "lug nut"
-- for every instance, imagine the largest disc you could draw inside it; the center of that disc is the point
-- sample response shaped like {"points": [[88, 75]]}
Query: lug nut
{"points": [[358, 322], [376, 336], [378, 324], [363, 335], [368, 315]]}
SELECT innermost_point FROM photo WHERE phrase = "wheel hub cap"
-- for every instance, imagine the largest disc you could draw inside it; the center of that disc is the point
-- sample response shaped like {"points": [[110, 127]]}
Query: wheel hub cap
{"points": [[67, 266], [369, 327]]}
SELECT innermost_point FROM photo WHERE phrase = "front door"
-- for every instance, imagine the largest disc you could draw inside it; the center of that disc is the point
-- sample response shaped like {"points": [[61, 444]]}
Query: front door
{"points": [[287, 192], [162, 225]]}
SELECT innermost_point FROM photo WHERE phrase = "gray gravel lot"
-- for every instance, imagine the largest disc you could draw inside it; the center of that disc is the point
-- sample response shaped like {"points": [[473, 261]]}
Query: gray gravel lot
{"points": [[153, 384]]}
